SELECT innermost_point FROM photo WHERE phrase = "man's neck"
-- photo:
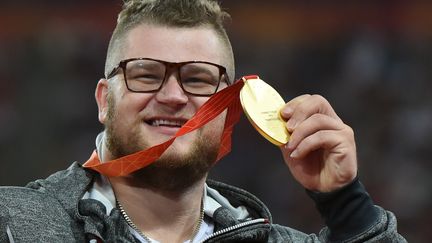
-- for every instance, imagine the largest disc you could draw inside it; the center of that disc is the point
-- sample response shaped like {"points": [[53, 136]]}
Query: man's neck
{"points": [[166, 216], [164, 203]]}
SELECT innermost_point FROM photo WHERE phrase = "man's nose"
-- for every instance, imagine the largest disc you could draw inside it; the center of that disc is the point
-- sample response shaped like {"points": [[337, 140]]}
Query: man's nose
{"points": [[171, 92]]}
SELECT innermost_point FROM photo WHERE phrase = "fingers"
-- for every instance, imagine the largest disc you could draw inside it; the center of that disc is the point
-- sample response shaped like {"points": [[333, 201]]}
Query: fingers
{"points": [[302, 107], [313, 125], [289, 107], [317, 122], [329, 140]]}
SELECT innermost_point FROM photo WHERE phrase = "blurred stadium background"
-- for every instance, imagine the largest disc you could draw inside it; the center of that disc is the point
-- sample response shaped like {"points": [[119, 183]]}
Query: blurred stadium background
{"points": [[371, 59]]}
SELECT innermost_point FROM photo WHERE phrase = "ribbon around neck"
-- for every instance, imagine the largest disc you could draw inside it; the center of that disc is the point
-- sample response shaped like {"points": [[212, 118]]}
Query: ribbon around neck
{"points": [[226, 98]]}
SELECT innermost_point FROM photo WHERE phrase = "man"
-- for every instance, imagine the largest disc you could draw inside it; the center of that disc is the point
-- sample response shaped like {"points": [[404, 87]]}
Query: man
{"points": [[165, 60]]}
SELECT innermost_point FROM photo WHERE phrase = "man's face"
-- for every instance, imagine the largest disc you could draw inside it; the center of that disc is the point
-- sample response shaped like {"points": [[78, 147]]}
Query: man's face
{"points": [[136, 121]]}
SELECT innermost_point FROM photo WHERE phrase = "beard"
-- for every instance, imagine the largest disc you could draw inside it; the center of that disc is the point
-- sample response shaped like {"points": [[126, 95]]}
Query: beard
{"points": [[172, 171]]}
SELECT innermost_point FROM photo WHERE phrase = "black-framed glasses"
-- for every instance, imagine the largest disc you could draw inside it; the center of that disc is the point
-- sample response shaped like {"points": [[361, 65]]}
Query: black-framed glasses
{"points": [[145, 75]]}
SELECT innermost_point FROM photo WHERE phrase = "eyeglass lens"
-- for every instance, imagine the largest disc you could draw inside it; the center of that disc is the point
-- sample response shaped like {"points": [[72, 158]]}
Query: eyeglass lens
{"points": [[148, 75]]}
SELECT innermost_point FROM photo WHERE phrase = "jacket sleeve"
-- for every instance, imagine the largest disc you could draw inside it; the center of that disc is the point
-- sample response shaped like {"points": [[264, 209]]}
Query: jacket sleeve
{"points": [[27, 216], [350, 216], [5, 235]]}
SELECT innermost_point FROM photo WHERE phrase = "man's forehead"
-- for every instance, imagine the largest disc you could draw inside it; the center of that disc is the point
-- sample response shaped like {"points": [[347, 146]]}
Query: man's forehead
{"points": [[175, 44]]}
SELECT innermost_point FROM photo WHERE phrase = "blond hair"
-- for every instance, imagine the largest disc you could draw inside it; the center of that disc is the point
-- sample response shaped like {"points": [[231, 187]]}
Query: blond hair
{"points": [[171, 13]]}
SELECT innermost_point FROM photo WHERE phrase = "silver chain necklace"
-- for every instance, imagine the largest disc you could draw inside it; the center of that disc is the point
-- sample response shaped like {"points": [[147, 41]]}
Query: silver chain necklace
{"points": [[133, 226]]}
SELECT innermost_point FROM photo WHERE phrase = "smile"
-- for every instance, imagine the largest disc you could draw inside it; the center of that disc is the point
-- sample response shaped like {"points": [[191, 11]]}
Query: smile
{"points": [[166, 122]]}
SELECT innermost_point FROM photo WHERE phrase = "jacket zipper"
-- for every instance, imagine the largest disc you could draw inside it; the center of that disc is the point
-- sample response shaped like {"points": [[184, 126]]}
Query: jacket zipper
{"points": [[234, 227]]}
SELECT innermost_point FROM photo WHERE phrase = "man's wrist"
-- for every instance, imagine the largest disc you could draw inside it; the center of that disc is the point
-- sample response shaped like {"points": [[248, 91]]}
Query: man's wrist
{"points": [[347, 212]]}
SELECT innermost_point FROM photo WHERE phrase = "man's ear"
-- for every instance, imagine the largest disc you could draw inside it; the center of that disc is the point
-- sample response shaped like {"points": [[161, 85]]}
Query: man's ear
{"points": [[101, 95]]}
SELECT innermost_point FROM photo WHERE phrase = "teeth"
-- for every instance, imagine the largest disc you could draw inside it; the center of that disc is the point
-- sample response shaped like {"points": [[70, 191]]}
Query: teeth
{"points": [[161, 122]]}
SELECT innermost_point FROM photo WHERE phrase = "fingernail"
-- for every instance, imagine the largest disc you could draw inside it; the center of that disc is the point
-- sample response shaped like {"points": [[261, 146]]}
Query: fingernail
{"points": [[288, 146], [294, 154], [291, 124], [287, 111]]}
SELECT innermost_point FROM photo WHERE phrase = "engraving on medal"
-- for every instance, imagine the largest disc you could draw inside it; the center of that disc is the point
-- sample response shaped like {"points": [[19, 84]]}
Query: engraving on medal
{"points": [[270, 115], [262, 105]]}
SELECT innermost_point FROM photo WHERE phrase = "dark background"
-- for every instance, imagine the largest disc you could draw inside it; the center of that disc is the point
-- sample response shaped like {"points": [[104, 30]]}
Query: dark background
{"points": [[371, 59]]}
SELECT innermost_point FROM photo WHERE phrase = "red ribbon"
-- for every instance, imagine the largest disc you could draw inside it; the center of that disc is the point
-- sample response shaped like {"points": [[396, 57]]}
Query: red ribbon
{"points": [[226, 98]]}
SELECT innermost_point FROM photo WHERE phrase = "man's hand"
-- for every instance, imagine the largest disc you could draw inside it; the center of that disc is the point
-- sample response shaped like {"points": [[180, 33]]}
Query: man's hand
{"points": [[321, 153]]}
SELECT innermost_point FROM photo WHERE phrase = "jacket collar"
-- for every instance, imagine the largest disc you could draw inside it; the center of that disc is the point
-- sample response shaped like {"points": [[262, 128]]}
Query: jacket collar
{"points": [[226, 217], [68, 187]]}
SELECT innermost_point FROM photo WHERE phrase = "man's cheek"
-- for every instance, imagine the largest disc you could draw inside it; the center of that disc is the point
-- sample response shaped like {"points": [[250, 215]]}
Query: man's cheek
{"points": [[214, 128]]}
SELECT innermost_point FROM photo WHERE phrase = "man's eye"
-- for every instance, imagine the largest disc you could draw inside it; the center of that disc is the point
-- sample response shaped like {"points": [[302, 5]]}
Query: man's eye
{"points": [[146, 76], [199, 78], [195, 80]]}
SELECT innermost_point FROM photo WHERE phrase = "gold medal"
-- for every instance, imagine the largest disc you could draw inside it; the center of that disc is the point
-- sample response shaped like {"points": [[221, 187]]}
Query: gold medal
{"points": [[262, 104]]}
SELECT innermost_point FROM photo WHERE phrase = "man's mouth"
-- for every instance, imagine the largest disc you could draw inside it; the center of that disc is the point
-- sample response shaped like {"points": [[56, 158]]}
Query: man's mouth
{"points": [[166, 122]]}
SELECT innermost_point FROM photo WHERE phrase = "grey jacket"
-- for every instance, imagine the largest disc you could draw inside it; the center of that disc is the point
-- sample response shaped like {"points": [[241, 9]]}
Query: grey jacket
{"points": [[52, 210]]}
